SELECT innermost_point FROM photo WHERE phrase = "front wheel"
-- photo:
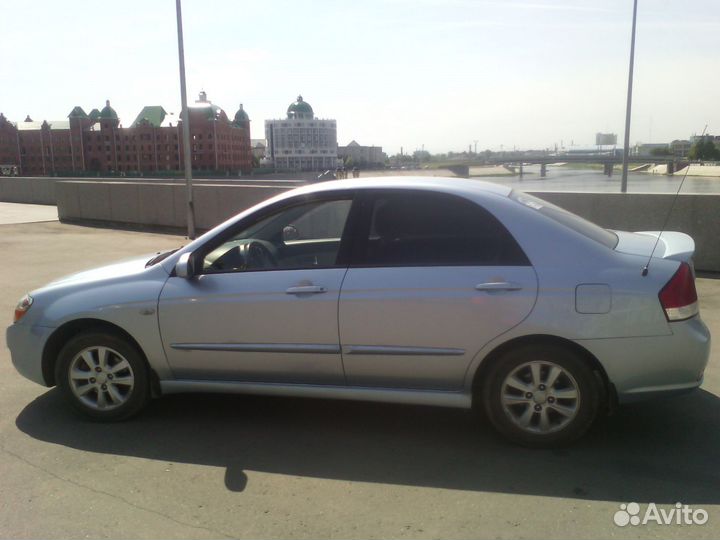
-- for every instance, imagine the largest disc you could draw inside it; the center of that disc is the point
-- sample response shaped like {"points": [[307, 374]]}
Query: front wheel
{"points": [[103, 376], [541, 396]]}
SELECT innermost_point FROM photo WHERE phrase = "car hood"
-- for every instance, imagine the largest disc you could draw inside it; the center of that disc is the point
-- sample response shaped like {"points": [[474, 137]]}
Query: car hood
{"points": [[119, 269], [672, 245]]}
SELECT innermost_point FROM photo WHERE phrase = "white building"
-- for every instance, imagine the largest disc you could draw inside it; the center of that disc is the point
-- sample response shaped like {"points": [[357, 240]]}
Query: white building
{"points": [[363, 156], [301, 141]]}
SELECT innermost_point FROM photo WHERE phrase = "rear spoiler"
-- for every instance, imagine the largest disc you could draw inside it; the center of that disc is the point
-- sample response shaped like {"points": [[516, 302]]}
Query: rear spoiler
{"points": [[672, 245]]}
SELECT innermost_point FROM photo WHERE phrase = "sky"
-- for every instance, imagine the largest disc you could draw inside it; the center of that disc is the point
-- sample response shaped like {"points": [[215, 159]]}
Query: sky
{"points": [[434, 74]]}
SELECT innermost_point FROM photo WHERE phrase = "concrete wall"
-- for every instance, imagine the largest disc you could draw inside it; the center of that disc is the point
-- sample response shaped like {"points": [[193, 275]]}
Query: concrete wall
{"points": [[41, 189], [36, 190], [156, 204], [696, 215]]}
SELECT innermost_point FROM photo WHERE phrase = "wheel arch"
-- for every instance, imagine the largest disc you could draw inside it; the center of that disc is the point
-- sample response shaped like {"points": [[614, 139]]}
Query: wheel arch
{"points": [[70, 329], [608, 394]]}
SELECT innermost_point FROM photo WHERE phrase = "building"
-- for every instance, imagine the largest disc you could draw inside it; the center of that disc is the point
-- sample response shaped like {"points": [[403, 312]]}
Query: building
{"points": [[680, 148], [96, 142], [648, 149], [715, 139], [9, 149], [356, 155], [259, 147], [302, 142]]}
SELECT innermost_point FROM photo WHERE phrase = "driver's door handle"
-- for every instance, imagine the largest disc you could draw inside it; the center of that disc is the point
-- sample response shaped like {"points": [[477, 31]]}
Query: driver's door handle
{"points": [[306, 289]]}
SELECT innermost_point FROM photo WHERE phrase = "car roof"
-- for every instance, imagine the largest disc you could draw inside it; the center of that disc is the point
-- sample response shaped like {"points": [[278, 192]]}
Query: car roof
{"points": [[431, 183]]}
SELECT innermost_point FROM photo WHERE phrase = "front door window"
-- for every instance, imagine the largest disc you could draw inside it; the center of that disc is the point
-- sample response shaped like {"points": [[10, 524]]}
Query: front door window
{"points": [[301, 237]]}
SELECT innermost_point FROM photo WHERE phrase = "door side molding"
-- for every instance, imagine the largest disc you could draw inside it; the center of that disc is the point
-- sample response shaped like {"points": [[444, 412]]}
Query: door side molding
{"points": [[402, 351], [307, 348]]}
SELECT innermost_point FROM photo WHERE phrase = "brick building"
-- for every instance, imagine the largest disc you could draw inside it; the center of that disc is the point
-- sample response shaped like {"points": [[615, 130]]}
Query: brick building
{"points": [[96, 142]]}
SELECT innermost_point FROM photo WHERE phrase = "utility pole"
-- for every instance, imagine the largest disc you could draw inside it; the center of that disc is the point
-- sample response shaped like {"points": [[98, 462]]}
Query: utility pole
{"points": [[186, 129], [626, 149], [475, 147]]}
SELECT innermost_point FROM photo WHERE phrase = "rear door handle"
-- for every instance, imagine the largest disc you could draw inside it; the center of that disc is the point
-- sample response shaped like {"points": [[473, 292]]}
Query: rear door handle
{"points": [[498, 286], [306, 289]]}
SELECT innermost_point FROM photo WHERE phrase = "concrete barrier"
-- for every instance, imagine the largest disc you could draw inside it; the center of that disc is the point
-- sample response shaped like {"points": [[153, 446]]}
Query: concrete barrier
{"points": [[37, 190], [696, 215], [41, 189], [161, 205], [155, 204]]}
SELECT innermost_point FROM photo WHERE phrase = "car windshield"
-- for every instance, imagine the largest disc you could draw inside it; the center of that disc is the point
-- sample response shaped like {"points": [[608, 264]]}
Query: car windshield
{"points": [[568, 219]]}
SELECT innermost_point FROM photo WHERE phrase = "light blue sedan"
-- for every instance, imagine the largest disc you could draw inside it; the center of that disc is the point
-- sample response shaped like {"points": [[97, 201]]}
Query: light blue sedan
{"points": [[431, 291]]}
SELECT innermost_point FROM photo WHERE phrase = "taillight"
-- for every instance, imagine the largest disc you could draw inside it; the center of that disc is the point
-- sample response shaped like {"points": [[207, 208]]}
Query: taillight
{"points": [[678, 297]]}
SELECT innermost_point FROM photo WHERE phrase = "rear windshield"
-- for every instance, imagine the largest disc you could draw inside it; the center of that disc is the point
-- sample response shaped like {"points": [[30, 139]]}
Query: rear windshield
{"points": [[570, 220]]}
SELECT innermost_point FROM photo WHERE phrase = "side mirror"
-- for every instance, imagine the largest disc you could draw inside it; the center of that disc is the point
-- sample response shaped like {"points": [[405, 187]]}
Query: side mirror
{"points": [[185, 267]]}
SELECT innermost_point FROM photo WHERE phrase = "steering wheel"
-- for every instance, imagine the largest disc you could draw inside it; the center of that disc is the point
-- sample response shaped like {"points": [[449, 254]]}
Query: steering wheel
{"points": [[259, 255]]}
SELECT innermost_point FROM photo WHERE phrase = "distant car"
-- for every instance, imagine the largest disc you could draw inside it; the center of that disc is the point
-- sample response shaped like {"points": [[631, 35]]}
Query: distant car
{"points": [[430, 291]]}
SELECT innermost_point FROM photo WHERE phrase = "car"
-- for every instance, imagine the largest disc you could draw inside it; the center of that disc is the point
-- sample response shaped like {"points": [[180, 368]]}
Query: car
{"points": [[435, 291]]}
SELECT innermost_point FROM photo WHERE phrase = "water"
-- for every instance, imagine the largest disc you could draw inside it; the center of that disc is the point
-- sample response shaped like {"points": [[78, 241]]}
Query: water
{"points": [[565, 179]]}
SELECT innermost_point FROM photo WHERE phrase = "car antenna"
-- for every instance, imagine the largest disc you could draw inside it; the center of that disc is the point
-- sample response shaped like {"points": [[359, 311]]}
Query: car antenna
{"points": [[667, 217]]}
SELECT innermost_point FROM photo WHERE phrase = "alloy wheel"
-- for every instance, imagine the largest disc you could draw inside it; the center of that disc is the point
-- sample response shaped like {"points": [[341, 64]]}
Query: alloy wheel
{"points": [[101, 378], [540, 397]]}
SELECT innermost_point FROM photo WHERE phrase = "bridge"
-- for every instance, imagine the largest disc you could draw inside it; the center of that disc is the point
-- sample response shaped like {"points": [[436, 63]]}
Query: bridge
{"points": [[608, 161]]}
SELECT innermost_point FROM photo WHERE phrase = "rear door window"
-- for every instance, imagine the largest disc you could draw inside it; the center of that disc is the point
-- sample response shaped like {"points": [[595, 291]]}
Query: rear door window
{"points": [[410, 228]]}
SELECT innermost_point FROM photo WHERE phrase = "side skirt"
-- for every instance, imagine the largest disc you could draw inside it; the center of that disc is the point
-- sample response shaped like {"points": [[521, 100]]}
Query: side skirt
{"points": [[385, 395]]}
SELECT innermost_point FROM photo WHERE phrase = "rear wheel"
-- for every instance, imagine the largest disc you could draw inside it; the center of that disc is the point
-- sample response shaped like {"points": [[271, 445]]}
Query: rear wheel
{"points": [[541, 396], [103, 376]]}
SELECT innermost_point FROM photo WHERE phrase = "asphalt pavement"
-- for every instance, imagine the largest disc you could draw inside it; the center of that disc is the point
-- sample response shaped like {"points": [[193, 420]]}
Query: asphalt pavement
{"points": [[198, 466]]}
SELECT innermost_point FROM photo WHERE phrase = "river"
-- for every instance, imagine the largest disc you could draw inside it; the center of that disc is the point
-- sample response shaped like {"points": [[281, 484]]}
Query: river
{"points": [[567, 179]]}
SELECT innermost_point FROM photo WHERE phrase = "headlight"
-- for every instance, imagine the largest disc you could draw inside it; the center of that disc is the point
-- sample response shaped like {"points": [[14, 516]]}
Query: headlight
{"points": [[22, 307]]}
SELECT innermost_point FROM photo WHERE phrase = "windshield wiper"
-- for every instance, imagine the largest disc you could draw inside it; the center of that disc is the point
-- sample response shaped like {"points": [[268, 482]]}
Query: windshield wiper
{"points": [[160, 257]]}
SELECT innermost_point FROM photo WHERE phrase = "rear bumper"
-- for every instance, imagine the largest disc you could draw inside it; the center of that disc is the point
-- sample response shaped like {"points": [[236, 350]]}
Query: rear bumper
{"points": [[26, 344], [645, 367]]}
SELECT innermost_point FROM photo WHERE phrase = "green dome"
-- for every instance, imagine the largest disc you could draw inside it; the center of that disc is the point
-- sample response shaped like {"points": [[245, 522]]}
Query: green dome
{"points": [[300, 109], [241, 116], [204, 106], [108, 112]]}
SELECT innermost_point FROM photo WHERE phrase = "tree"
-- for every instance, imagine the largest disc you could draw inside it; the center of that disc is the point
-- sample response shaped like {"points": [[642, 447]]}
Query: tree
{"points": [[704, 149], [662, 151]]}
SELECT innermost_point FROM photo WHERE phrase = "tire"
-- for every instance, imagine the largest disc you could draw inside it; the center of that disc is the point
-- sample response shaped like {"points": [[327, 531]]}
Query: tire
{"points": [[526, 409], [103, 376]]}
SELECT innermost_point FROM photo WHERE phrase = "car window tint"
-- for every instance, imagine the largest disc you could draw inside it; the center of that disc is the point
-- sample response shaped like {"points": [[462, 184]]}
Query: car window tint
{"points": [[303, 236], [325, 221], [434, 229], [568, 219]]}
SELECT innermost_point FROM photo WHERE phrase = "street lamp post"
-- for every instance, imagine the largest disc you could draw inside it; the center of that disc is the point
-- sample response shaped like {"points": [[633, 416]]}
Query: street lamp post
{"points": [[626, 149], [186, 128]]}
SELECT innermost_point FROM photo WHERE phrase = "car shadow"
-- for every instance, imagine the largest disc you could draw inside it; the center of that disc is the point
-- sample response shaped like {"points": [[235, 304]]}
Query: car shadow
{"points": [[661, 451]]}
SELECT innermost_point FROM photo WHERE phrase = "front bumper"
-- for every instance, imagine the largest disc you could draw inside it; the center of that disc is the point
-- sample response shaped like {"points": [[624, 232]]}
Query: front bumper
{"points": [[26, 344], [645, 367]]}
